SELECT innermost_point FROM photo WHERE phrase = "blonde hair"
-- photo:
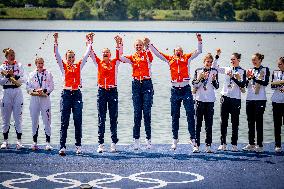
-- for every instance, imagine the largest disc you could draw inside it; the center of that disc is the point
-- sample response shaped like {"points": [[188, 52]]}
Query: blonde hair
{"points": [[138, 41], [208, 56], [7, 51], [69, 52], [178, 48], [38, 58], [106, 49]]}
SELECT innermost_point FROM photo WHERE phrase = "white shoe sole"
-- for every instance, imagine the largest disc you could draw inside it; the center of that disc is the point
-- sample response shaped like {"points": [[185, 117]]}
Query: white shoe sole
{"points": [[100, 151]]}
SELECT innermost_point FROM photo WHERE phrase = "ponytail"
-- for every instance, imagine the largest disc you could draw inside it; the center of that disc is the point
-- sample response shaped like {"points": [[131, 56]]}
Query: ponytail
{"points": [[259, 56], [237, 55], [7, 51]]}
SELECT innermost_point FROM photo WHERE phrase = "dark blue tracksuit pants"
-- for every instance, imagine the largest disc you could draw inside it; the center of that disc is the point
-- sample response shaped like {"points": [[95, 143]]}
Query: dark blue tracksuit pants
{"points": [[255, 110], [178, 95], [230, 106], [107, 99], [71, 100], [206, 110], [278, 118], [142, 96]]}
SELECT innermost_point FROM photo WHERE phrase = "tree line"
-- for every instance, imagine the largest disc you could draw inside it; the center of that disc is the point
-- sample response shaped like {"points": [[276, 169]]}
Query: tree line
{"points": [[144, 9]]}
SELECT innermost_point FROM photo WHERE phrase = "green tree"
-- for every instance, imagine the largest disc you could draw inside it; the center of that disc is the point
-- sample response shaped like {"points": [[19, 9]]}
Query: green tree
{"points": [[113, 10], [201, 10], [181, 4], [246, 4], [268, 16], [66, 3], [55, 14], [3, 12], [35, 3], [135, 8], [250, 15], [277, 5], [47, 3], [146, 15], [224, 10], [81, 10], [13, 3]]}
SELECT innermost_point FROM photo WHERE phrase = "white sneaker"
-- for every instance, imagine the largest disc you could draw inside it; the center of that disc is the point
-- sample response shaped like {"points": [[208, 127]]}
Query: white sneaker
{"points": [[192, 142], [234, 148], [278, 149], [174, 145], [78, 150], [148, 143], [5, 144], [19, 145], [136, 144], [48, 147], [34, 146], [113, 147], [249, 148], [258, 149], [100, 148], [62, 152], [222, 147], [208, 149], [195, 149]]}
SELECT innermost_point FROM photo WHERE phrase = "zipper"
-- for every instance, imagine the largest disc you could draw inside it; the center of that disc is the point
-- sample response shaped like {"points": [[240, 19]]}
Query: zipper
{"points": [[178, 71]]}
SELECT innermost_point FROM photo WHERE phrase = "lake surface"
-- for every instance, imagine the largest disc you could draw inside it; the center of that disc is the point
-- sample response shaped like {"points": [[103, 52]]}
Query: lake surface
{"points": [[26, 46]]}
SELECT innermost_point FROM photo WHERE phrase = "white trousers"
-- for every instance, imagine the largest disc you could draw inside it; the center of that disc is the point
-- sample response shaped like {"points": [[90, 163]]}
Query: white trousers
{"points": [[12, 102], [40, 105]]}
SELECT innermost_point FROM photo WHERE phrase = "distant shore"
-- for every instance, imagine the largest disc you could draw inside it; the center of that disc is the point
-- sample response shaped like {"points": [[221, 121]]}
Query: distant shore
{"points": [[38, 13]]}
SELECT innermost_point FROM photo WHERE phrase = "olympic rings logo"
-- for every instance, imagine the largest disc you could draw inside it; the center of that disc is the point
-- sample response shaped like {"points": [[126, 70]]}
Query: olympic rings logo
{"points": [[108, 178]]}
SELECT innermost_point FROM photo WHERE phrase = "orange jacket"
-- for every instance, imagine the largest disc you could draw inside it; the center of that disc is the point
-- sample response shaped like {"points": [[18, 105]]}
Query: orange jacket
{"points": [[179, 67], [72, 75], [141, 63], [107, 72]]}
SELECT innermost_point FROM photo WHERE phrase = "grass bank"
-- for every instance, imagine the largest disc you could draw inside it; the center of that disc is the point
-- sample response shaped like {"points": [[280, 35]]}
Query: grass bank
{"points": [[166, 15]]}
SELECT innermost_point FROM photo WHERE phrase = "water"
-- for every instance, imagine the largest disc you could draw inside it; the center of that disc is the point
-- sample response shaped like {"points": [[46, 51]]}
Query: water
{"points": [[26, 45]]}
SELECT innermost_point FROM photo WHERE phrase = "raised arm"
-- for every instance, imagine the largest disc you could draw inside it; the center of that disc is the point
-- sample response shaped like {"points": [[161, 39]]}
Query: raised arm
{"points": [[221, 70], [93, 55], [89, 41], [119, 47], [119, 51], [146, 42], [198, 51], [56, 52], [159, 54]]}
